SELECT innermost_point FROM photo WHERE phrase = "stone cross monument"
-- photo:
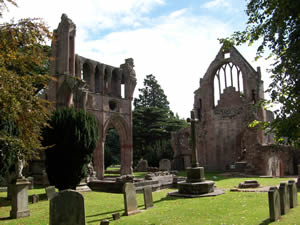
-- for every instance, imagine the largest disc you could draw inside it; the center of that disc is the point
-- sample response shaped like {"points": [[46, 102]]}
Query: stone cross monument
{"points": [[192, 120]]}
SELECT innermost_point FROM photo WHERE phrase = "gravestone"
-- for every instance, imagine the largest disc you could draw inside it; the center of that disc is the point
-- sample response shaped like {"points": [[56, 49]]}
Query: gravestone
{"points": [[274, 204], [104, 222], [298, 180], [31, 180], [284, 198], [67, 207], [142, 166], [19, 203], [249, 184], [116, 216], [50, 191], [165, 164], [130, 203], [35, 198], [148, 201], [293, 193]]}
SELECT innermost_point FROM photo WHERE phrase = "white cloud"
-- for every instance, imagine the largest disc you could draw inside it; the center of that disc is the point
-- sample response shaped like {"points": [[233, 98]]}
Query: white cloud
{"points": [[216, 3]]}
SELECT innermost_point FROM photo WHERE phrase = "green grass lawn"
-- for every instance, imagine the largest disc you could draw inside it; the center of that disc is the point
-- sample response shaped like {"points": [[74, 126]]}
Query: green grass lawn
{"points": [[230, 208]]}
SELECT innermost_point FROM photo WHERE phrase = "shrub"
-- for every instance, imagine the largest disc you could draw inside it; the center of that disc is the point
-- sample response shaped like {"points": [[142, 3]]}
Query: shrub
{"points": [[71, 140]]}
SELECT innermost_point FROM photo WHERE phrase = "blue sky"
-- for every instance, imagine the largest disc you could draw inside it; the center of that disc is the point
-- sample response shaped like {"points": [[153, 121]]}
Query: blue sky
{"points": [[175, 40]]}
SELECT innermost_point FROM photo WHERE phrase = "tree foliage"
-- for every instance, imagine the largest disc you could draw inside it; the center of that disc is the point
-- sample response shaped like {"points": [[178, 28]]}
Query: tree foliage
{"points": [[23, 64], [153, 123], [112, 148], [73, 136], [152, 95], [276, 23]]}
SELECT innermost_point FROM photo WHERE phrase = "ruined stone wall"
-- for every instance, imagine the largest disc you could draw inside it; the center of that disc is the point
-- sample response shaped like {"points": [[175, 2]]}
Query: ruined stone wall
{"points": [[98, 88]]}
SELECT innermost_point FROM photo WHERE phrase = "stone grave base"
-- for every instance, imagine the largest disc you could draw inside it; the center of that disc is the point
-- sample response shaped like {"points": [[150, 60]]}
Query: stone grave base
{"points": [[82, 187], [196, 188], [216, 192]]}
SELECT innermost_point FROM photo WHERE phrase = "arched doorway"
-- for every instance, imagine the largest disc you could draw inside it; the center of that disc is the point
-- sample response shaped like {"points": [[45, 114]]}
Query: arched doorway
{"points": [[112, 151]]}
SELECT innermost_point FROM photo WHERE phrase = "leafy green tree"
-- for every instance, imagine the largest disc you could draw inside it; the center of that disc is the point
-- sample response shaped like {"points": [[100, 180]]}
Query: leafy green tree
{"points": [[275, 24], [112, 148], [24, 63], [153, 123], [73, 136]]}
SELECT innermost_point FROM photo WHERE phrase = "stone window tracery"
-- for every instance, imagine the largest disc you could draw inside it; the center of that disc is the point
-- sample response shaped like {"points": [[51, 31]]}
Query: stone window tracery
{"points": [[228, 75]]}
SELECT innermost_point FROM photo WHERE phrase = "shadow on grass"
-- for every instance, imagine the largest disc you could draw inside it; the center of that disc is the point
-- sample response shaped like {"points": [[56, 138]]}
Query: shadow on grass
{"points": [[111, 212], [99, 220], [5, 218], [265, 222], [4, 202]]}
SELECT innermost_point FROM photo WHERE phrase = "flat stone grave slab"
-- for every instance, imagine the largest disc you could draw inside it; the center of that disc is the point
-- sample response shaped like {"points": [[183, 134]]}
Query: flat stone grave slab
{"points": [[249, 184], [67, 207], [274, 204], [148, 200], [130, 202]]}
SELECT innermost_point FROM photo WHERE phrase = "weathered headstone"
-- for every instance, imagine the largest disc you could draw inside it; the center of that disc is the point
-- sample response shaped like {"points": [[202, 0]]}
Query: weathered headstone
{"points": [[35, 199], [142, 166], [284, 198], [116, 216], [31, 185], [274, 203], [67, 207], [293, 193], [165, 164], [298, 180], [19, 207], [50, 191], [148, 197], [130, 203], [104, 222]]}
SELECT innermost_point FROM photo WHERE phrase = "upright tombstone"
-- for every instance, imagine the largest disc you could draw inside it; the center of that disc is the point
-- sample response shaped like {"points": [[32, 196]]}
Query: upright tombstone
{"points": [[274, 203], [19, 204], [67, 207], [298, 181], [293, 193], [165, 164], [50, 191], [148, 200], [284, 198], [130, 202]]}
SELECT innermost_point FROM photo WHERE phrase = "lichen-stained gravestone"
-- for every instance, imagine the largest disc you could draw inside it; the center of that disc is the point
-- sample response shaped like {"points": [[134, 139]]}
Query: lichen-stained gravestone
{"points": [[130, 202], [67, 207], [165, 164], [284, 198], [50, 191], [148, 200], [274, 204], [293, 193]]}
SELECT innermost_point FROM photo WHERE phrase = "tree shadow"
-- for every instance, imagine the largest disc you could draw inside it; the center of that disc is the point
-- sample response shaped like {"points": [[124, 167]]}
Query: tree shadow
{"points": [[99, 220], [111, 212]]}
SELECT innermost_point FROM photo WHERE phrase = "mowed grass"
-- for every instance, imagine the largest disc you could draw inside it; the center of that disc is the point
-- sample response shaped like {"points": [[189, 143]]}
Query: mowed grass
{"points": [[230, 208]]}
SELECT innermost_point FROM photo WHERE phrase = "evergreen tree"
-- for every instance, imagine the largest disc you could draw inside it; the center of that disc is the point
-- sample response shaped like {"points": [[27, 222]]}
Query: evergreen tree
{"points": [[153, 123], [73, 136], [152, 95]]}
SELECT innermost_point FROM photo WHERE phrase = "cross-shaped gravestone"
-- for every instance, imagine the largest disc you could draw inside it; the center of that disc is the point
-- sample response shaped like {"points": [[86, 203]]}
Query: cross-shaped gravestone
{"points": [[129, 192], [192, 120], [148, 197]]}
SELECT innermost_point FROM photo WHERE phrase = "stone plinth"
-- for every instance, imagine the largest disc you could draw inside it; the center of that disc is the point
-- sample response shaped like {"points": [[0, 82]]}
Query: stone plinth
{"points": [[196, 188], [19, 207], [195, 174]]}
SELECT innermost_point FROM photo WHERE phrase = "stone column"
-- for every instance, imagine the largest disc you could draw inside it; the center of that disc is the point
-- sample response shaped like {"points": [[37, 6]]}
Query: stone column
{"points": [[126, 159], [99, 160], [19, 206]]}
